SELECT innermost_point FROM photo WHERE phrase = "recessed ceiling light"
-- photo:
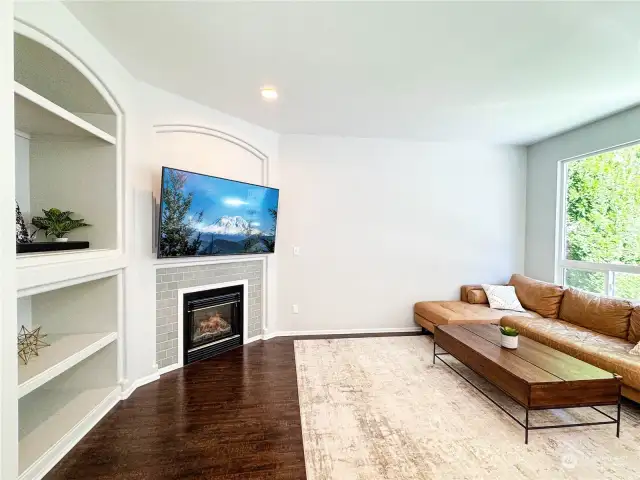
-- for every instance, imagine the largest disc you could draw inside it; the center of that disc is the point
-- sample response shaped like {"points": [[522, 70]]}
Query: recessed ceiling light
{"points": [[269, 93]]}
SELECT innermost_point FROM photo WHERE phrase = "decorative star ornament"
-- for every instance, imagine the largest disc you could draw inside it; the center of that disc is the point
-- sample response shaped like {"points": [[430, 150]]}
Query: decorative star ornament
{"points": [[29, 342]]}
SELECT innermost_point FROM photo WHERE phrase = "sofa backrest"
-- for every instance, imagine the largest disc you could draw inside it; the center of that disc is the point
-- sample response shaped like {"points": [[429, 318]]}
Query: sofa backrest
{"points": [[606, 315], [541, 297], [634, 325]]}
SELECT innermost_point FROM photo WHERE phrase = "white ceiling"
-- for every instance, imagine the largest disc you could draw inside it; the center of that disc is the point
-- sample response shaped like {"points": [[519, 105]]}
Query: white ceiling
{"points": [[492, 72]]}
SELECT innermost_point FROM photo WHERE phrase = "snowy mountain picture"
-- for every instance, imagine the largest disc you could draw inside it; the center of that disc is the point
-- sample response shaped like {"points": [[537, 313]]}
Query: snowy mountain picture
{"points": [[231, 226], [203, 215]]}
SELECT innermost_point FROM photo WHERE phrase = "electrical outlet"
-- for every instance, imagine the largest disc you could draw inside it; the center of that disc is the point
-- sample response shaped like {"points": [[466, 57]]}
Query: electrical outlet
{"points": [[294, 308], [296, 251]]}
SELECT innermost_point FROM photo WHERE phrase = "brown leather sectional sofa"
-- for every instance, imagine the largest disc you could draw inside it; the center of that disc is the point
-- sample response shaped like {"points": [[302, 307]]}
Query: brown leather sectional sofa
{"points": [[598, 330]]}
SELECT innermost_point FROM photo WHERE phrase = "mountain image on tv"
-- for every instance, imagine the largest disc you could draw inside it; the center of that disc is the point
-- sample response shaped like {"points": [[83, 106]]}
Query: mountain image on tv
{"points": [[204, 215]]}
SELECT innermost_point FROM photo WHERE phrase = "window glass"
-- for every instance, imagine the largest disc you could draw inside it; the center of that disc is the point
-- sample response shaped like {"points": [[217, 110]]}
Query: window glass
{"points": [[593, 282], [603, 208]]}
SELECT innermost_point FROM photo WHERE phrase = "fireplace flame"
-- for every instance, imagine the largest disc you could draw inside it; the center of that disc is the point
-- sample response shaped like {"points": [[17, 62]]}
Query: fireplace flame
{"points": [[214, 324]]}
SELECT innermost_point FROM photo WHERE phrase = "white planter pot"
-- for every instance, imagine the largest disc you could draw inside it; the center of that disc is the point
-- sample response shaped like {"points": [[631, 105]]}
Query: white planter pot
{"points": [[509, 342], [63, 239]]}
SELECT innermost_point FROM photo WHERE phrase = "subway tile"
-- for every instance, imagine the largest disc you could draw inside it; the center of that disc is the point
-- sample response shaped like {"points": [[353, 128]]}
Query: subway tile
{"points": [[161, 338]]}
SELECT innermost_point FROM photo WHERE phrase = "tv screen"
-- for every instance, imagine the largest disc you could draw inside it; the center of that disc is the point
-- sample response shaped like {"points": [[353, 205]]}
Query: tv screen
{"points": [[201, 215]]}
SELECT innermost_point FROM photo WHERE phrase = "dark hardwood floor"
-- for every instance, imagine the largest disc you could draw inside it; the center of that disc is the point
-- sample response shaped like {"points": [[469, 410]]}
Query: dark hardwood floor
{"points": [[232, 417]]}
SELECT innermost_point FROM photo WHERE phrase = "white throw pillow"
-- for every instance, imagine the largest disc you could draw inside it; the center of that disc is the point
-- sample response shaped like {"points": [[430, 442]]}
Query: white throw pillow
{"points": [[503, 297], [635, 350]]}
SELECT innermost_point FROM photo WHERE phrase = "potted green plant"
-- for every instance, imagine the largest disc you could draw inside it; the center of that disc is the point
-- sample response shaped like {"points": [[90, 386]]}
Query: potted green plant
{"points": [[57, 223], [509, 337]]}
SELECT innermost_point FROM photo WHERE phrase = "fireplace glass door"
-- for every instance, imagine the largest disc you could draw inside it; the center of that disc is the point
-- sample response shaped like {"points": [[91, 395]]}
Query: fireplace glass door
{"points": [[213, 320]]}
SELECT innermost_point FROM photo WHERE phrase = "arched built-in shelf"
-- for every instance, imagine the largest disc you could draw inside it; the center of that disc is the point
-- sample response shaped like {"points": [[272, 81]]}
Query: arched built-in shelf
{"points": [[68, 156]]}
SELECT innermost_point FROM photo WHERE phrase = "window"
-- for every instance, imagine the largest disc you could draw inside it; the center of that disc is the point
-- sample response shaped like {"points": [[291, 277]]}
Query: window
{"points": [[599, 248]]}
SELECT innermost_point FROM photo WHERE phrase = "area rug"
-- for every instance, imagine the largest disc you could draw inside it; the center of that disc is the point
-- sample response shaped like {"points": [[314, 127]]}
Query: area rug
{"points": [[377, 408]]}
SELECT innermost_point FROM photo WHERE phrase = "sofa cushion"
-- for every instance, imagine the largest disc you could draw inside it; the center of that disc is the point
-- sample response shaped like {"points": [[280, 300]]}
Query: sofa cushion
{"points": [[447, 313], [502, 297], [478, 297], [634, 325], [541, 297], [465, 290], [603, 351], [600, 314]]}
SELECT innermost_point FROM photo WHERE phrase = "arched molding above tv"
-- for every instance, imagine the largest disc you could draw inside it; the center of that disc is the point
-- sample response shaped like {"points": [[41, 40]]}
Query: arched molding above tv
{"points": [[212, 132]]}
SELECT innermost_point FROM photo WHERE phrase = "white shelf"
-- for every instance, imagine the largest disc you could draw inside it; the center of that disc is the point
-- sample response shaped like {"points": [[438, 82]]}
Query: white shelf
{"points": [[46, 442], [39, 259], [36, 115], [64, 352], [39, 272]]}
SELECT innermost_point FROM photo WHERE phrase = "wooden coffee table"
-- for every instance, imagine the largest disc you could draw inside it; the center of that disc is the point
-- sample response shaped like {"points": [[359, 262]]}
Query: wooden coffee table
{"points": [[536, 376]]}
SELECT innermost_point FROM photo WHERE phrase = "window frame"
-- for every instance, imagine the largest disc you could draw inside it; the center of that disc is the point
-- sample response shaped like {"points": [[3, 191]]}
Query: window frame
{"points": [[561, 262]]}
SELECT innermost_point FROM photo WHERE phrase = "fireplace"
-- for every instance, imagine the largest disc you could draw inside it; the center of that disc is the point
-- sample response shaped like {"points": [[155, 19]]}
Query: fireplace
{"points": [[212, 322]]}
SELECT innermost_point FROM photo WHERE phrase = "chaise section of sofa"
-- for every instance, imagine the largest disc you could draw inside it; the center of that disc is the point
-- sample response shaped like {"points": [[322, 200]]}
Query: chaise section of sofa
{"points": [[472, 308]]}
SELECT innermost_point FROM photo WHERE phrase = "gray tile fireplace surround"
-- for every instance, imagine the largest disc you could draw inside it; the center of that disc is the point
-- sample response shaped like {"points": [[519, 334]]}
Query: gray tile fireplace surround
{"points": [[169, 280]]}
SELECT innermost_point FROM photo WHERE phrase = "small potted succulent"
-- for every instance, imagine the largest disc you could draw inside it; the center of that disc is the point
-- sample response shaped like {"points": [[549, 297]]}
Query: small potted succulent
{"points": [[57, 223], [509, 337]]}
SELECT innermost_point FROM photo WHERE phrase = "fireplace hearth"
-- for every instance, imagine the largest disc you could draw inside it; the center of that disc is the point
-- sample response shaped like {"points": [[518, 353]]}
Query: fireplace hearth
{"points": [[212, 322]]}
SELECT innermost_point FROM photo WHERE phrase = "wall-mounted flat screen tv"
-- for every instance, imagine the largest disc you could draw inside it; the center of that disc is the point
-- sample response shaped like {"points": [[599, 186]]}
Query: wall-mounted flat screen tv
{"points": [[201, 215]]}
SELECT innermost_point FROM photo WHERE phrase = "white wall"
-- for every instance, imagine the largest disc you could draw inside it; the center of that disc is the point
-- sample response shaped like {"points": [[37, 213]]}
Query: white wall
{"points": [[542, 182], [23, 196], [383, 224], [193, 148]]}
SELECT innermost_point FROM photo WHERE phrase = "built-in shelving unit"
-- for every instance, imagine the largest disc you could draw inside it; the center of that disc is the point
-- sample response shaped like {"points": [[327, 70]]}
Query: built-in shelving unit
{"points": [[64, 352], [54, 416], [81, 407], [66, 152], [35, 115], [67, 156]]}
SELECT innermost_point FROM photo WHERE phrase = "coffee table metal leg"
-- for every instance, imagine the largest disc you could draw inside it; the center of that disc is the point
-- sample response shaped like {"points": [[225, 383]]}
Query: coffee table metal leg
{"points": [[434, 351], [526, 427], [618, 426]]}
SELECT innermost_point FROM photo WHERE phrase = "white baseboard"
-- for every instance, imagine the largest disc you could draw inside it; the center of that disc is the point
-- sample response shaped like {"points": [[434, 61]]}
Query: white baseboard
{"points": [[168, 368], [138, 383], [51, 457], [346, 331], [253, 339]]}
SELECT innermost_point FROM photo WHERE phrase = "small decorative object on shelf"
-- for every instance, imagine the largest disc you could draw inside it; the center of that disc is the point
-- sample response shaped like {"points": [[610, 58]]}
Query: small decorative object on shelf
{"points": [[22, 234], [57, 223], [509, 337], [29, 342]]}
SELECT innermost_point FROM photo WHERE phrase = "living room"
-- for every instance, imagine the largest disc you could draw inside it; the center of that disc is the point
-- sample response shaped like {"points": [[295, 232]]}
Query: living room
{"points": [[413, 157]]}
